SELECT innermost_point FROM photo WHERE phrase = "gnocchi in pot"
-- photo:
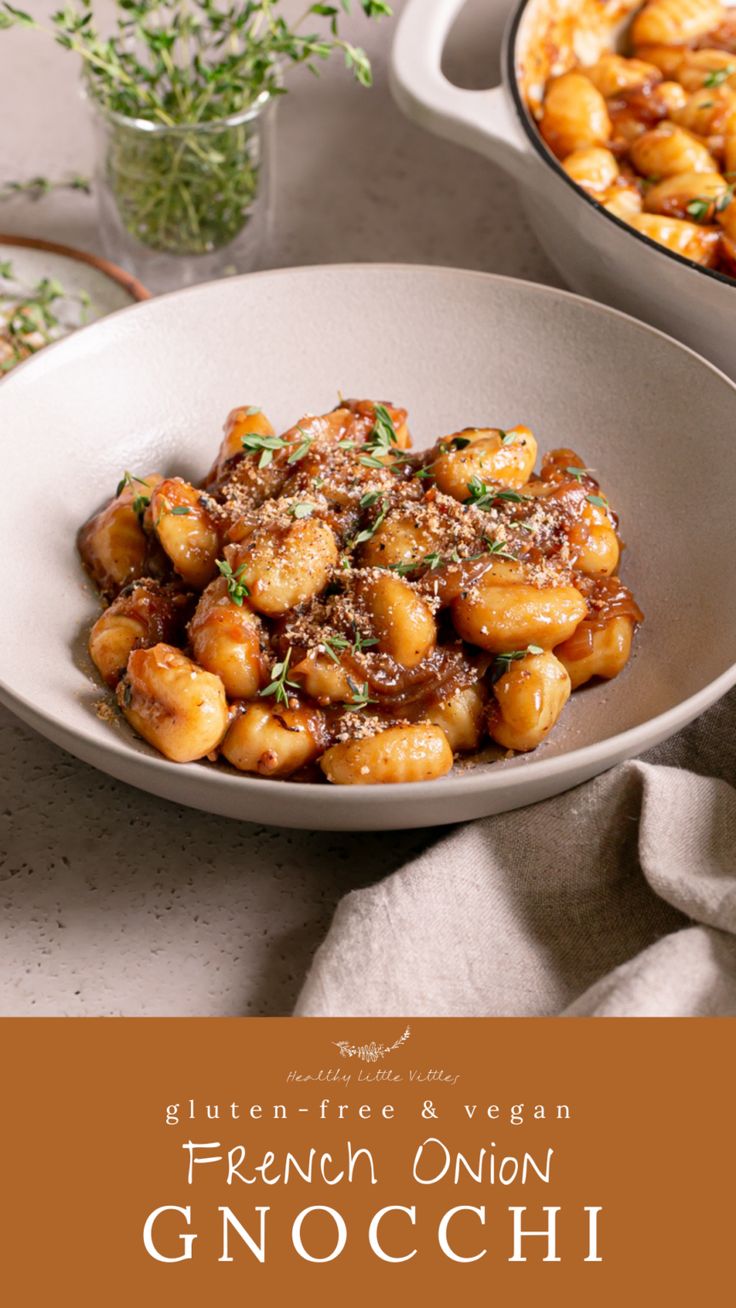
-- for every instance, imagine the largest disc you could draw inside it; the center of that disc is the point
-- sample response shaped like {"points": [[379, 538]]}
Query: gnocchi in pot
{"points": [[650, 133], [373, 615]]}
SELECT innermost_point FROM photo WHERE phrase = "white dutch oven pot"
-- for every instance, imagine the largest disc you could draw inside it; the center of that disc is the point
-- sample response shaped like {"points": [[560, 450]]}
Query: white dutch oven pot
{"points": [[596, 253]]}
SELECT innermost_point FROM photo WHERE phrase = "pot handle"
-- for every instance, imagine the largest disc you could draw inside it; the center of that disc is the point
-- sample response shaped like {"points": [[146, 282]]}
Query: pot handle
{"points": [[480, 120]]}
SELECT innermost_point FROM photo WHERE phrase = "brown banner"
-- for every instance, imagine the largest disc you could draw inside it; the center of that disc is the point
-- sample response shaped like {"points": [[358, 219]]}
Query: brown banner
{"points": [[351, 1162]]}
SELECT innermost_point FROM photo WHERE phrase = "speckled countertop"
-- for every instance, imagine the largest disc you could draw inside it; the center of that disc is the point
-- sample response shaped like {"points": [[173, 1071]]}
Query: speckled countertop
{"points": [[112, 901]]}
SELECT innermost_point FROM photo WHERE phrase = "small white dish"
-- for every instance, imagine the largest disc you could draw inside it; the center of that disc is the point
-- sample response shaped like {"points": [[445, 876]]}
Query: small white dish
{"points": [[148, 389], [107, 287]]}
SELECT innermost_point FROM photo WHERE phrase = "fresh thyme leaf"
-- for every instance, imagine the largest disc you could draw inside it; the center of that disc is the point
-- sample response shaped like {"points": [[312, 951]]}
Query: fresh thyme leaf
{"points": [[459, 442], [369, 461], [369, 498], [236, 589], [498, 549], [509, 437], [577, 473], [433, 560], [484, 497], [699, 207], [180, 511], [252, 442], [301, 449], [303, 510], [278, 686], [502, 662], [599, 500], [368, 532], [719, 75], [360, 697], [382, 436], [333, 643]]}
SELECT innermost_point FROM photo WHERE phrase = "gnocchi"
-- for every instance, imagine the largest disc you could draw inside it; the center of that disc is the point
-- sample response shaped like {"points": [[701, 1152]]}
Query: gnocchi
{"points": [[650, 133], [376, 612]]}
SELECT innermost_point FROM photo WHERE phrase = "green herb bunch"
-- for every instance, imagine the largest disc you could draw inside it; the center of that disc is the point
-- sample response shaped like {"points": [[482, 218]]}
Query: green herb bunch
{"points": [[187, 184]]}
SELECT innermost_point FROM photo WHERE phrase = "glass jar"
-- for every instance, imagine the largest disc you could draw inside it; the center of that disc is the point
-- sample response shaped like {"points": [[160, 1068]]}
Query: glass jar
{"points": [[187, 203]]}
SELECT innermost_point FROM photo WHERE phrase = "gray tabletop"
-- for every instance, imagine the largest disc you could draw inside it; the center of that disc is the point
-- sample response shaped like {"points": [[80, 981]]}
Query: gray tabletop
{"points": [[112, 901]]}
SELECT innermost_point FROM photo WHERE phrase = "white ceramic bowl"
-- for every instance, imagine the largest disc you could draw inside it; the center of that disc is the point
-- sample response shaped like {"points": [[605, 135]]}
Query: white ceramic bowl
{"points": [[595, 252], [149, 388]]}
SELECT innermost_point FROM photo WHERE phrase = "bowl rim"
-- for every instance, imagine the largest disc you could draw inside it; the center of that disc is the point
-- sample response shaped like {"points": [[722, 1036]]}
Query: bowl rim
{"points": [[135, 289], [509, 65], [470, 782]]}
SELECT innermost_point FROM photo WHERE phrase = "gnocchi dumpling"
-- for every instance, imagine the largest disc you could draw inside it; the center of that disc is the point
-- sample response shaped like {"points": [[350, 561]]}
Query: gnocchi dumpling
{"points": [[506, 457], [227, 638], [528, 699], [247, 420], [461, 717], [695, 242], [669, 149], [401, 619], [407, 752], [504, 610], [184, 521], [274, 740], [593, 168], [172, 703], [675, 22], [597, 649], [144, 613], [285, 563], [112, 545], [575, 115]]}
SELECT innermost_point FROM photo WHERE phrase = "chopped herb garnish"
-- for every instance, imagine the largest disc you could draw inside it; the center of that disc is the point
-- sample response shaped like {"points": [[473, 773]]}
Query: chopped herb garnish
{"points": [[303, 510], [236, 589], [180, 511], [368, 532], [369, 461], [484, 497], [718, 76], [302, 448], [498, 549], [598, 500], [252, 442], [459, 442], [278, 686], [503, 662], [509, 437], [382, 436], [333, 643], [369, 498], [699, 207], [433, 560], [140, 501], [360, 697]]}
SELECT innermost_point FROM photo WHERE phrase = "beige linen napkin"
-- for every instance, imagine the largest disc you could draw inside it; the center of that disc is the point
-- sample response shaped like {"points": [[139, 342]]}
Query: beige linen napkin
{"points": [[615, 899]]}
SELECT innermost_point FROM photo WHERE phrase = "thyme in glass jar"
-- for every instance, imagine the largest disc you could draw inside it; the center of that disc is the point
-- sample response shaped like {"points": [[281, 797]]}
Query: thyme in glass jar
{"points": [[188, 184]]}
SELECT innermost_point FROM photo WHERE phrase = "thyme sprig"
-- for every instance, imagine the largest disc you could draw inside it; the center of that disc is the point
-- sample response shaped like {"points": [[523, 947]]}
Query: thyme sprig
{"points": [[502, 662], [35, 188], [484, 496], [192, 64], [280, 684], [236, 587]]}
